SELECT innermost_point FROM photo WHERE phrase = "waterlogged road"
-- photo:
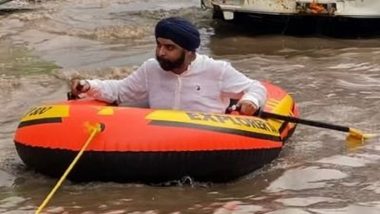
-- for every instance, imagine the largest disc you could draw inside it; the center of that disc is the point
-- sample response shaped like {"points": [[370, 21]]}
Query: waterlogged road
{"points": [[333, 80]]}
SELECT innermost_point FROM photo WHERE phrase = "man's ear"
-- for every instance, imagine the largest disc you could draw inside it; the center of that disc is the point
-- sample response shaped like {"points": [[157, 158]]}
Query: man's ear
{"points": [[190, 53]]}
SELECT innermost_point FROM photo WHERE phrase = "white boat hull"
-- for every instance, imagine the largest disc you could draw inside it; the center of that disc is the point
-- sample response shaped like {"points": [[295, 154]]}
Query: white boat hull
{"points": [[346, 8]]}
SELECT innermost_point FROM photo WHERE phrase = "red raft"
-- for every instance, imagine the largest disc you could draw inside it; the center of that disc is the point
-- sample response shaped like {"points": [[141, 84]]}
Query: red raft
{"points": [[148, 145]]}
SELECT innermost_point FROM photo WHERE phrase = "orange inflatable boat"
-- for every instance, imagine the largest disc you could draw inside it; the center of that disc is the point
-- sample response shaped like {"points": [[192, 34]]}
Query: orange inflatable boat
{"points": [[148, 145]]}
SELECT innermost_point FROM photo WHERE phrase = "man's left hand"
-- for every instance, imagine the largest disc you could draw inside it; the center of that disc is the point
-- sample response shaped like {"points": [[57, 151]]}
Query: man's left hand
{"points": [[247, 107]]}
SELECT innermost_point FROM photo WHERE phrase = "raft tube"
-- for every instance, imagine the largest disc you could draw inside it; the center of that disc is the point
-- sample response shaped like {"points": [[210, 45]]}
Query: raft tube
{"points": [[151, 145]]}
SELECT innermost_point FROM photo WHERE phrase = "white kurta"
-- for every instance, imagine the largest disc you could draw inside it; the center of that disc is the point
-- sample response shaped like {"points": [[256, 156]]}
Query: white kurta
{"points": [[207, 86]]}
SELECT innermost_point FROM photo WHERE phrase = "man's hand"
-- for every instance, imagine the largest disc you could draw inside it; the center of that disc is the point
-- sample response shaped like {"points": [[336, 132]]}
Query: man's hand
{"points": [[247, 107], [79, 86]]}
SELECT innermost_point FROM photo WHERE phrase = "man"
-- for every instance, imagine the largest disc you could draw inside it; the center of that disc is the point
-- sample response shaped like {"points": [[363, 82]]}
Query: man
{"points": [[179, 78]]}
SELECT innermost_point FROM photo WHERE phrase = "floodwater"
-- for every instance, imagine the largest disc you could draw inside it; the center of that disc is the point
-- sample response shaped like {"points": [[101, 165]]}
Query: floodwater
{"points": [[46, 43]]}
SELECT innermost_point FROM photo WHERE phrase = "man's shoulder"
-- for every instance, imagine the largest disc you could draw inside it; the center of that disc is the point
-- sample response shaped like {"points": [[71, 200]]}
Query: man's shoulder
{"points": [[209, 61], [150, 65], [151, 62]]}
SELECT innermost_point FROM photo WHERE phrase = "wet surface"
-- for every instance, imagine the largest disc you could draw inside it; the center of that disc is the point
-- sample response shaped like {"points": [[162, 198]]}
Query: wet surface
{"points": [[332, 80]]}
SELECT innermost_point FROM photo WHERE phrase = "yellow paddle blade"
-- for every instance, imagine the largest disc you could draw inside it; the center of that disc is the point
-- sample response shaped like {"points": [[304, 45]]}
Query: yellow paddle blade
{"points": [[356, 138], [353, 142], [356, 133]]}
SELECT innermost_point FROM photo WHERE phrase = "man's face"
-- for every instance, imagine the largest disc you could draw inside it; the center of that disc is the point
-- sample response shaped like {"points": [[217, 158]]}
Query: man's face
{"points": [[169, 55]]}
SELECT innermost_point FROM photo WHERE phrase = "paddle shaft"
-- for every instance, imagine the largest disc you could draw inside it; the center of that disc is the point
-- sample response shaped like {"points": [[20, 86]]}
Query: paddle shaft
{"points": [[304, 121]]}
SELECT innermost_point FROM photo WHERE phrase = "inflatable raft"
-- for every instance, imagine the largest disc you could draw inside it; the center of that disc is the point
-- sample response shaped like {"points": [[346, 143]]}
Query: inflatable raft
{"points": [[148, 145]]}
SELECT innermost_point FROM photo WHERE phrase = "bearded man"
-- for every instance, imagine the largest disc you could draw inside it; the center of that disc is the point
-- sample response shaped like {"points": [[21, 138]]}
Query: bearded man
{"points": [[179, 77]]}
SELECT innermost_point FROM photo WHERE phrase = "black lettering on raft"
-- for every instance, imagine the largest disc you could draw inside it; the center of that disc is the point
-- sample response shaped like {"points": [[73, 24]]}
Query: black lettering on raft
{"points": [[209, 117], [193, 116], [246, 122], [37, 111]]}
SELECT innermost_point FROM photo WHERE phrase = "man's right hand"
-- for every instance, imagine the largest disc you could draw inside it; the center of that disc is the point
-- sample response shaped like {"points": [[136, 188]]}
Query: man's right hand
{"points": [[79, 86]]}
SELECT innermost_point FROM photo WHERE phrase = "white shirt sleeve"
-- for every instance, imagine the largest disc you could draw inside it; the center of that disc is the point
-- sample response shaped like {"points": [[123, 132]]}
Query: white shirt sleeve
{"points": [[236, 84], [132, 89]]}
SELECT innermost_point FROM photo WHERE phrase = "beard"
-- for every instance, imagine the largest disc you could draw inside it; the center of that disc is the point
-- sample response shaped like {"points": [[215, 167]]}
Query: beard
{"points": [[169, 65]]}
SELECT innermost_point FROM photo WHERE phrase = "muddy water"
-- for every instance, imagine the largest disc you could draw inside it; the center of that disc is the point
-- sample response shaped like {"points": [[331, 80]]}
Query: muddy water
{"points": [[333, 80]]}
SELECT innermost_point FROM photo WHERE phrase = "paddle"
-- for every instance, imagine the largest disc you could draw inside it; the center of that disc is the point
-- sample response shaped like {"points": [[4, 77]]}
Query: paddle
{"points": [[353, 133]]}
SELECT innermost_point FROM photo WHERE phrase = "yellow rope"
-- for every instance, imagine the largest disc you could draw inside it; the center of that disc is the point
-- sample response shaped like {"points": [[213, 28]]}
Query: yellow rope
{"points": [[95, 129]]}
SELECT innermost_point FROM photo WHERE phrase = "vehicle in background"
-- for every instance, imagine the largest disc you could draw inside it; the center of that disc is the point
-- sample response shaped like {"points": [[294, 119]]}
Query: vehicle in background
{"points": [[341, 16], [227, 9]]}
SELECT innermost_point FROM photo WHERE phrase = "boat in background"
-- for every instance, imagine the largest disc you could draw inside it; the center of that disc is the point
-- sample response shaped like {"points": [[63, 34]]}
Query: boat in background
{"points": [[152, 145], [334, 17]]}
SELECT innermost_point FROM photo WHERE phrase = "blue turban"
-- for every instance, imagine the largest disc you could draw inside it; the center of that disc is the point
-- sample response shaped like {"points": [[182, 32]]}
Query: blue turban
{"points": [[180, 31]]}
